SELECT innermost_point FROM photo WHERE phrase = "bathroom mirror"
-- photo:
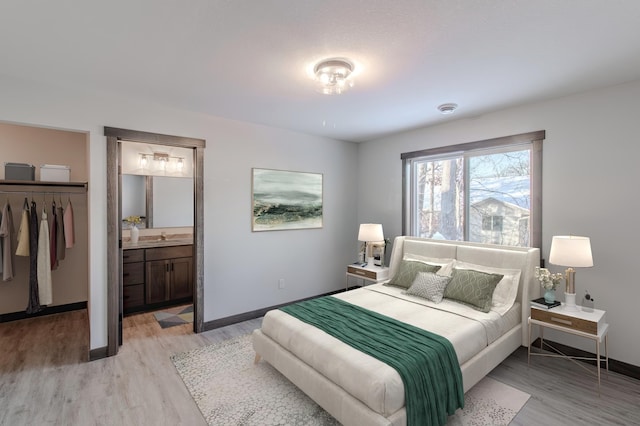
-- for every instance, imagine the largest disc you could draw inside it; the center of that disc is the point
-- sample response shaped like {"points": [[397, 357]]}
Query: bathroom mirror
{"points": [[170, 198]]}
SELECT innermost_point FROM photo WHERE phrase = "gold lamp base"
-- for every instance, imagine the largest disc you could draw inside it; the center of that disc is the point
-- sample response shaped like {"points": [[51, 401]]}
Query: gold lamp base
{"points": [[570, 290]]}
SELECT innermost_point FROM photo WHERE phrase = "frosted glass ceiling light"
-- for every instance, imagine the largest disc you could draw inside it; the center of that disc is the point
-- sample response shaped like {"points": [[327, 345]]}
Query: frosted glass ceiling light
{"points": [[333, 76]]}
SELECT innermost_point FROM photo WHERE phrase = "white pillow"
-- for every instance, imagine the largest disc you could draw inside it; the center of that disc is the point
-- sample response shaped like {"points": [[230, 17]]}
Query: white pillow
{"points": [[446, 265], [506, 290], [429, 286]]}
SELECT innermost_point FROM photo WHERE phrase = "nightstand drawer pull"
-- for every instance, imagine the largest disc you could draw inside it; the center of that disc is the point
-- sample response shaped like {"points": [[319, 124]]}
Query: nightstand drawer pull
{"points": [[561, 321], [360, 273]]}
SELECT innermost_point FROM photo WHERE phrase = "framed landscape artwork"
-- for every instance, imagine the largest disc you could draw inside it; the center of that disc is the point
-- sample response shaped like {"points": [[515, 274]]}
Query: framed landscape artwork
{"points": [[285, 200]]}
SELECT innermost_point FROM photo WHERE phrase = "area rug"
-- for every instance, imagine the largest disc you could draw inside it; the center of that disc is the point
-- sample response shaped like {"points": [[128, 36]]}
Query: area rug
{"points": [[230, 389], [174, 316]]}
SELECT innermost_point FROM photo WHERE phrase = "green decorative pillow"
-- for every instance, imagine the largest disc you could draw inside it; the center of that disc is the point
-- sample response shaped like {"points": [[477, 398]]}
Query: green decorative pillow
{"points": [[407, 272], [429, 286], [473, 288]]}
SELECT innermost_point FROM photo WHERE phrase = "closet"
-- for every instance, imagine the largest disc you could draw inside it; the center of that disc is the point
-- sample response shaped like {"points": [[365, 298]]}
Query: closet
{"points": [[70, 279]]}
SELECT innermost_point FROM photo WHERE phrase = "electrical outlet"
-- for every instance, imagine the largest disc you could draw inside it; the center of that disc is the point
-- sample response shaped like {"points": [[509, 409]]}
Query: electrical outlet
{"points": [[281, 283]]}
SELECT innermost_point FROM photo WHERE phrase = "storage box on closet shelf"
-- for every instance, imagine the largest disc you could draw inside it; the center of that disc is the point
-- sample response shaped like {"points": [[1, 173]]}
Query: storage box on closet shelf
{"points": [[19, 171], [54, 173]]}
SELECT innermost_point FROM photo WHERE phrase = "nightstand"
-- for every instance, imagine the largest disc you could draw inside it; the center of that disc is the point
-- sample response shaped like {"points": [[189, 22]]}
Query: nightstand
{"points": [[369, 274], [587, 323]]}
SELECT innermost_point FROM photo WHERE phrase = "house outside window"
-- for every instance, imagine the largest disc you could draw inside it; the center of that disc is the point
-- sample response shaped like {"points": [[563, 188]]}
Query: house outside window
{"points": [[486, 191]]}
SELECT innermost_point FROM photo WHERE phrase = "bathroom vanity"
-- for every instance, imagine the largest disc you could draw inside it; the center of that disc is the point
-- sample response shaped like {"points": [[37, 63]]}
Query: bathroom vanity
{"points": [[156, 274]]}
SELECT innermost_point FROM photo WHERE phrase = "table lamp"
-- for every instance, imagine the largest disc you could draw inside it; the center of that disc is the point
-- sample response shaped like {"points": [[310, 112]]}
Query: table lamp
{"points": [[571, 251], [370, 232]]}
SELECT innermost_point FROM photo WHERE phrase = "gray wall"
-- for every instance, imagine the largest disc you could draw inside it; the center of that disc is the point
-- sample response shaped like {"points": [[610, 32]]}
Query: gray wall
{"points": [[588, 189], [242, 268], [589, 176]]}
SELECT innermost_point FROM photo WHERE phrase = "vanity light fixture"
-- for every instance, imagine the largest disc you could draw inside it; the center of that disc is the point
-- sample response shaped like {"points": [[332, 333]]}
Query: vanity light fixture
{"points": [[161, 156], [333, 76], [161, 159]]}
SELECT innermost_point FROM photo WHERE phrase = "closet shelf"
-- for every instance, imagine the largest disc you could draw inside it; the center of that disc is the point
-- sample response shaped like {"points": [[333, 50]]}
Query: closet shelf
{"points": [[40, 186]]}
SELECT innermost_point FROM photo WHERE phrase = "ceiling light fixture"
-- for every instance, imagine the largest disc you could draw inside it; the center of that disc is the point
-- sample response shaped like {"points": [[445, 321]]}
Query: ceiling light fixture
{"points": [[447, 108], [333, 76]]}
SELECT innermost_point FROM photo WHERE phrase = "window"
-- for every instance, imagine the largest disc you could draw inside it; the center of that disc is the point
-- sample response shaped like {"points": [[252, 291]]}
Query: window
{"points": [[486, 191], [492, 223]]}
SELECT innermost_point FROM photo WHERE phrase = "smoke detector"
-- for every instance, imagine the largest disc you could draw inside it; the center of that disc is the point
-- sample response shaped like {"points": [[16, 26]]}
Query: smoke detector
{"points": [[447, 108]]}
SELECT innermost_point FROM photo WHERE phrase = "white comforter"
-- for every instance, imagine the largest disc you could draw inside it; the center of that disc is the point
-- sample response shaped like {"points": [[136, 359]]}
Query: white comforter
{"points": [[371, 381], [467, 337]]}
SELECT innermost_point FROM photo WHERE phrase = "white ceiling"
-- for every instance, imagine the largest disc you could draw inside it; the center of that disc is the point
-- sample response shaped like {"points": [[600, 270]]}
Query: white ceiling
{"points": [[249, 60]]}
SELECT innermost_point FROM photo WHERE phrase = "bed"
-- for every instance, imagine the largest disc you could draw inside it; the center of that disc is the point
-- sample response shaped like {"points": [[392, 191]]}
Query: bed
{"points": [[358, 389]]}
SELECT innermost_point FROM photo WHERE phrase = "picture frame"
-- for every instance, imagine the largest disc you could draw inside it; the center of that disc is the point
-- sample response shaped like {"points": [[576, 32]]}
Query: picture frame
{"points": [[285, 200], [377, 252]]}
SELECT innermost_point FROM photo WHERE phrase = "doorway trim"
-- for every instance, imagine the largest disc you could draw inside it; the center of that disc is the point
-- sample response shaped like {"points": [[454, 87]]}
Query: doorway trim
{"points": [[114, 231]]}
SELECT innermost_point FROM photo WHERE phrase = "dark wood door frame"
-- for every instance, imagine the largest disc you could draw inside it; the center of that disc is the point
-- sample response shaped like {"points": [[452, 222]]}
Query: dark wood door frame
{"points": [[114, 229]]}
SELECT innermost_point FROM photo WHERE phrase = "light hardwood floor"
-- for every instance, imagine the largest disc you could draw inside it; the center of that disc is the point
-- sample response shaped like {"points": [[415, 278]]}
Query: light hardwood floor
{"points": [[46, 380]]}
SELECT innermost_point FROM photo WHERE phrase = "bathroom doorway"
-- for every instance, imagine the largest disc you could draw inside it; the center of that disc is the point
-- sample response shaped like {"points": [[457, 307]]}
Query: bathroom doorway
{"points": [[115, 163]]}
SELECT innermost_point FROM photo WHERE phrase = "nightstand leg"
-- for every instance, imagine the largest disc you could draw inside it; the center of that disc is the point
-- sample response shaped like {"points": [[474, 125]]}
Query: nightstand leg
{"points": [[598, 357], [606, 352], [529, 347]]}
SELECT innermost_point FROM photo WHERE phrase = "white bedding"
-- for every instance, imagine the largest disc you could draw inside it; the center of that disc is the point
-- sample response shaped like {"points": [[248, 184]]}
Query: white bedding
{"points": [[358, 389], [371, 381], [494, 325]]}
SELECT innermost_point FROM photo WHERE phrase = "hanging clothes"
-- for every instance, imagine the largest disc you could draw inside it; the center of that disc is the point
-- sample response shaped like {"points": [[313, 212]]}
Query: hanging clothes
{"points": [[69, 236], [60, 249], [34, 294], [44, 262], [22, 248], [6, 232], [53, 258]]}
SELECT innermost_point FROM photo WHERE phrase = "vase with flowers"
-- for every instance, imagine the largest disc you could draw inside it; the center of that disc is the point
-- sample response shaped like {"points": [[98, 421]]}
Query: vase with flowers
{"points": [[549, 282], [133, 222]]}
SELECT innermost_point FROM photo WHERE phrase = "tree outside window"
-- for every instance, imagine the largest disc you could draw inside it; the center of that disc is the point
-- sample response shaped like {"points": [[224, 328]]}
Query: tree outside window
{"points": [[482, 195]]}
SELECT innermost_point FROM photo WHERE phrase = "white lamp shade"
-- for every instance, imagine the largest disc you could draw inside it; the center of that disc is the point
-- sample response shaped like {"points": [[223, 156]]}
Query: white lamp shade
{"points": [[370, 232], [572, 251]]}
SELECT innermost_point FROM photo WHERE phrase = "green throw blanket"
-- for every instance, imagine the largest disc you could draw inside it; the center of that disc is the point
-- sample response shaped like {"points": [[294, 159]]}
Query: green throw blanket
{"points": [[426, 362]]}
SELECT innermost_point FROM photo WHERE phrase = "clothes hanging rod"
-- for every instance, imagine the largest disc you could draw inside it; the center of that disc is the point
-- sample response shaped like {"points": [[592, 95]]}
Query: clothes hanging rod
{"points": [[41, 192], [41, 183]]}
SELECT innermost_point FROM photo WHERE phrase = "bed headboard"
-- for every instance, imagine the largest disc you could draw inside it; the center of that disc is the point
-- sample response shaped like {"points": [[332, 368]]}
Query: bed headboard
{"points": [[523, 258]]}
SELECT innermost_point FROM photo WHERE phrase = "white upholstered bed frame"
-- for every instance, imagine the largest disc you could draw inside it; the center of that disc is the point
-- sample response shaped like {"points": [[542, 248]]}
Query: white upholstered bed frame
{"points": [[348, 409]]}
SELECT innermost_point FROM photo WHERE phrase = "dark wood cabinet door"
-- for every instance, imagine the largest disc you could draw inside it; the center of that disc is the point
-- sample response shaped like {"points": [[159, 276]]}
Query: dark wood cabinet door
{"points": [[181, 282], [157, 281], [132, 298]]}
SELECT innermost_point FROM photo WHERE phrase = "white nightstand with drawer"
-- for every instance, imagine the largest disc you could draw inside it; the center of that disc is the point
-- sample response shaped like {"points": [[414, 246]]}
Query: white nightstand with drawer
{"points": [[588, 323], [369, 274]]}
